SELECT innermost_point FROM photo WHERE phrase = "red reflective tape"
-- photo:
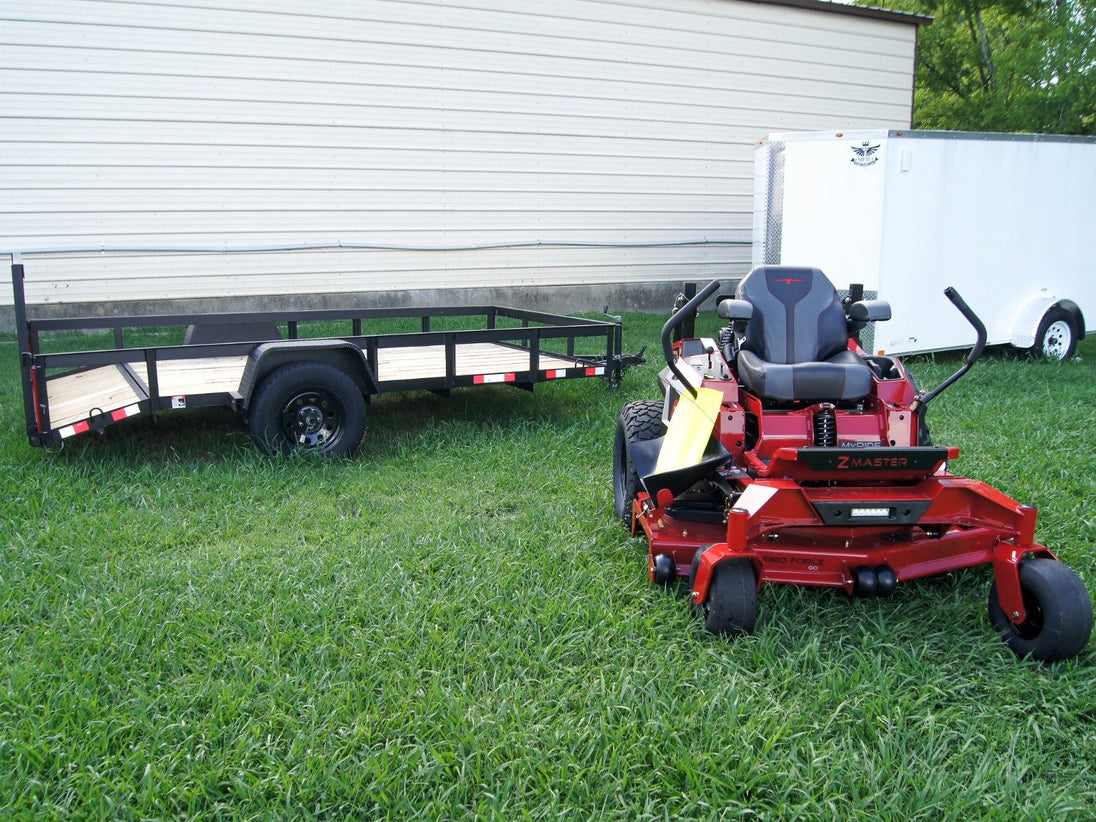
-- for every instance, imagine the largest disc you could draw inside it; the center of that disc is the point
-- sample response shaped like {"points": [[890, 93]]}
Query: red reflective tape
{"points": [[480, 379], [37, 403], [80, 427], [128, 411]]}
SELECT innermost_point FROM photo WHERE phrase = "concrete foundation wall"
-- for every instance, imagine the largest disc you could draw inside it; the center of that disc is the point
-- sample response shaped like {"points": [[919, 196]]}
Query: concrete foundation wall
{"points": [[651, 297]]}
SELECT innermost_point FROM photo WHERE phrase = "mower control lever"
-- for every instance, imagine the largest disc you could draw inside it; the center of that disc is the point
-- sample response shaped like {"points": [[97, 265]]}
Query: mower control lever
{"points": [[676, 319], [925, 397]]}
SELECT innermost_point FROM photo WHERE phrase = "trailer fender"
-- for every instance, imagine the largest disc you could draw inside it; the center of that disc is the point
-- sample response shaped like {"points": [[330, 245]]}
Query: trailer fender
{"points": [[268, 357], [1075, 310], [1025, 327]]}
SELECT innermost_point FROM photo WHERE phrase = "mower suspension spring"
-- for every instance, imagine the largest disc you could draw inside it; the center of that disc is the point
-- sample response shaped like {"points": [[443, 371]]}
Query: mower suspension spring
{"points": [[825, 426]]}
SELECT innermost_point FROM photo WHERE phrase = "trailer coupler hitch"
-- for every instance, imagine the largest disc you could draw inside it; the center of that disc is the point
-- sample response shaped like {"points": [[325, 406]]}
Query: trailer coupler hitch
{"points": [[621, 364]]}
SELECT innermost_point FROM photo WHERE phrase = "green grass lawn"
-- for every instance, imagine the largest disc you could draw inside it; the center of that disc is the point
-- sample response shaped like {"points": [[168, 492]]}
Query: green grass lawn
{"points": [[453, 625]]}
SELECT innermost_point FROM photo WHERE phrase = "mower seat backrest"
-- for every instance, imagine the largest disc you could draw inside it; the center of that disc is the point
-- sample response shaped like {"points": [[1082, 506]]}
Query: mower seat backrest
{"points": [[796, 343]]}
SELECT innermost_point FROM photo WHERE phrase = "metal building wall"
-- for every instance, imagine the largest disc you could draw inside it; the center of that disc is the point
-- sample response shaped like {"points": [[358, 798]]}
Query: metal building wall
{"points": [[622, 129]]}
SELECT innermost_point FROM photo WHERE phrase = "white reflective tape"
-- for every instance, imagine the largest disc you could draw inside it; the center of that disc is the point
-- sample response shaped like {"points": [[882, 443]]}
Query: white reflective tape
{"points": [[122, 413], [754, 497]]}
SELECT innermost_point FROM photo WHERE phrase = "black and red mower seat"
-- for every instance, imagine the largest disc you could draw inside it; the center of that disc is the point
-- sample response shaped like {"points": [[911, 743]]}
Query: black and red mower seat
{"points": [[796, 343]]}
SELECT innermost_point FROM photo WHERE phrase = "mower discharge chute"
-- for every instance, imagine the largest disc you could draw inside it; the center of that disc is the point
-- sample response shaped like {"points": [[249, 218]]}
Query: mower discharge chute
{"points": [[818, 469]]}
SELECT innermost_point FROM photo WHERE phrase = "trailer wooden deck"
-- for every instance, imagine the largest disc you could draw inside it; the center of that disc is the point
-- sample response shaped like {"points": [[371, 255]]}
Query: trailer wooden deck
{"points": [[74, 397], [428, 362], [81, 395]]}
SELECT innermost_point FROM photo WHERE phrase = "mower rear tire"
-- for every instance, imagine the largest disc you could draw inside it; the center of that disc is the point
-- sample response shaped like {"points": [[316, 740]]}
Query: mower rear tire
{"points": [[731, 607], [1059, 612], [639, 421]]}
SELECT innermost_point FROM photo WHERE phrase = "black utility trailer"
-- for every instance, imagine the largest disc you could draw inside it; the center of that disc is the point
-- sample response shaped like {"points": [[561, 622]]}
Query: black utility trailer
{"points": [[296, 391]]}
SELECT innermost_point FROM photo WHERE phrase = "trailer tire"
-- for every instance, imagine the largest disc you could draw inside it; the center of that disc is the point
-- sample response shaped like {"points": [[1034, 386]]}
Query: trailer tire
{"points": [[1059, 612], [638, 422], [311, 407], [1056, 338]]}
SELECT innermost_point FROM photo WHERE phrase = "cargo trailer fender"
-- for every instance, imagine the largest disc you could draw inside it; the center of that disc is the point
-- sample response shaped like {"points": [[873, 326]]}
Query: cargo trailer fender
{"points": [[266, 358], [1025, 327]]}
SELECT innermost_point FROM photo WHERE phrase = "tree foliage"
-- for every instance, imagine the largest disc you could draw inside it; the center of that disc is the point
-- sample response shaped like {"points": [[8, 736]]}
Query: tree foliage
{"points": [[1005, 65]]}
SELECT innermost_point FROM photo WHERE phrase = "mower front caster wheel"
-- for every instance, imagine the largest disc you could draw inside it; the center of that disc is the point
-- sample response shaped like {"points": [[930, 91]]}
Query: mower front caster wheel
{"points": [[1059, 612], [731, 607]]}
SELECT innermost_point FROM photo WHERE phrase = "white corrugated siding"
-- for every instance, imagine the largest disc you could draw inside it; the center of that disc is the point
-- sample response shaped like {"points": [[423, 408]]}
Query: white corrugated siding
{"points": [[398, 122]]}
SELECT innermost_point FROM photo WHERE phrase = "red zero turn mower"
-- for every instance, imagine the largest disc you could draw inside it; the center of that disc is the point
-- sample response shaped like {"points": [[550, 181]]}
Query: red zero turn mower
{"points": [[815, 467]]}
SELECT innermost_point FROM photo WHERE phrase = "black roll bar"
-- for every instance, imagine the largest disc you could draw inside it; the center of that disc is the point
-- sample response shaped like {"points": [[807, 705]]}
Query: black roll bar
{"points": [[925, 397], [677, 318]]}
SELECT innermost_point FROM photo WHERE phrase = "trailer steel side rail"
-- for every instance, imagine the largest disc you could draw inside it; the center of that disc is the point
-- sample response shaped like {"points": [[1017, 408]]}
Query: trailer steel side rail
{"points": [[225, 356]]}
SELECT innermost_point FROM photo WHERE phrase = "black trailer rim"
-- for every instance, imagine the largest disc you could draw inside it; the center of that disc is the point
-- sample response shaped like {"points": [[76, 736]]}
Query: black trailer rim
{"points": [[313, 418]]}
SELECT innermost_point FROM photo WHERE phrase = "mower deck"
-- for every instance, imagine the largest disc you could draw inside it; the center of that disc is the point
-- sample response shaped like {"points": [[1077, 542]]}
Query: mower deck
{"points": [[847, 537]]}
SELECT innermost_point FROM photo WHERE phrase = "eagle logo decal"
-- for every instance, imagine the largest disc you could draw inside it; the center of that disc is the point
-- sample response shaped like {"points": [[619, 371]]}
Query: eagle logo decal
{"points": [[865, 154]]}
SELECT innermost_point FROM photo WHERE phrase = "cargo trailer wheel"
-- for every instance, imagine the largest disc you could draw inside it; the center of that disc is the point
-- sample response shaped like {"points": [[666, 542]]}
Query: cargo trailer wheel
{"points": [[308, 406], [731, 607], [638, 422], [1056, 338], [1059, 612]]}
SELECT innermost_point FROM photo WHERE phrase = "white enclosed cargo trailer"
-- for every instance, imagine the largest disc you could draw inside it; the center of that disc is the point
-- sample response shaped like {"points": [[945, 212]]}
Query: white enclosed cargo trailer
{"points": [[1008, 220]]}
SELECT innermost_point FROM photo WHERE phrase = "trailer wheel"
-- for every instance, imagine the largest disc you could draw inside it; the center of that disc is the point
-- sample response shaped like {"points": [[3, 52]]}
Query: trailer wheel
{"points": [[731, 607], [308, 406], [638, 422], [1056, 338], [1059, 612]]}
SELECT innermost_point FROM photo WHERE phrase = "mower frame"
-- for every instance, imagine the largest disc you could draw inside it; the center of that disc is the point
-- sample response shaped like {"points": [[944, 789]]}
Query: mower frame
{"points": [[873, 505]]}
